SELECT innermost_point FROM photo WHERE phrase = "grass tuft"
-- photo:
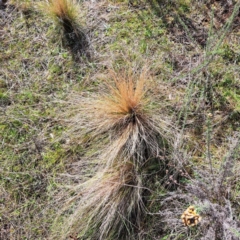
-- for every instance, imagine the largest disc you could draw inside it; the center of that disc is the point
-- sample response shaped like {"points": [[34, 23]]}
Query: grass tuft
{"points": [[110, 206], [65, 14], [130, 140], [125, 117], [62, 10]]}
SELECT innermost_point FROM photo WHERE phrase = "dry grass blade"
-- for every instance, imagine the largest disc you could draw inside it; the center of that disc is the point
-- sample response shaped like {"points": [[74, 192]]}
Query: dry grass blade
{"points": [[110, 206]]}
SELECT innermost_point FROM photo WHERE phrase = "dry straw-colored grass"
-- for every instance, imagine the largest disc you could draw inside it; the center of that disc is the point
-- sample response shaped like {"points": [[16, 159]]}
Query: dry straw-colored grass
{"points": [[110, 205], [61, 10], [66, 15], [123, 117], [122, 128]]}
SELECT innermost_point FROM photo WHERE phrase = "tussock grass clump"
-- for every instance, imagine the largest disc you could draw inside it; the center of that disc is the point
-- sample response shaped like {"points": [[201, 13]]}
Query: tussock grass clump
{"points": [[110, 206], [123, 129], [125, 119], [65, 14], [62, 10]]}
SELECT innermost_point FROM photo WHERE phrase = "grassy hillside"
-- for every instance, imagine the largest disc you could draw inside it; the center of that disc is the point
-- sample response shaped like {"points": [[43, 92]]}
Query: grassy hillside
{"points": [[116, 116]]}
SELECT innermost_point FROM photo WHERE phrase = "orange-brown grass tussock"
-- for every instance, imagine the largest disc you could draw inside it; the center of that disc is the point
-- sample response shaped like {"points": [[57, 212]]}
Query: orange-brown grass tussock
{"points": [[62, 9], [126, 99], [65, 13], [123, 118], [110, 206]]}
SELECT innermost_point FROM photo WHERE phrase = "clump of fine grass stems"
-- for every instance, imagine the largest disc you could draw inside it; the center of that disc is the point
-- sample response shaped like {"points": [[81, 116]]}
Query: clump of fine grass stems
{"points": [[124, 118], [107, 205], [132, 138], [65, 14]]}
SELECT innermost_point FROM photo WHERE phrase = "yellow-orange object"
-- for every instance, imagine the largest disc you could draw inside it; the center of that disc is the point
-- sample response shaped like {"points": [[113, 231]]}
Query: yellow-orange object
{"points": [[190, 217]]}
